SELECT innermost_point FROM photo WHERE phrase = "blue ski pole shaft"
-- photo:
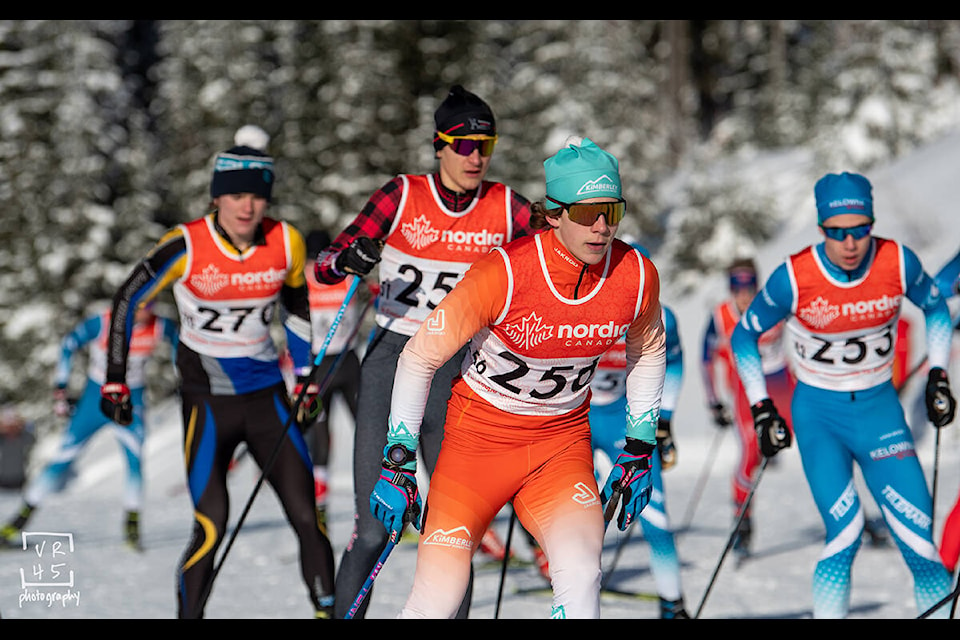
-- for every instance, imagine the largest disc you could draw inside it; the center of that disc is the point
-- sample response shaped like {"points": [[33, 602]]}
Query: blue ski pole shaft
{"points": [[336, 320], [368, 583]]}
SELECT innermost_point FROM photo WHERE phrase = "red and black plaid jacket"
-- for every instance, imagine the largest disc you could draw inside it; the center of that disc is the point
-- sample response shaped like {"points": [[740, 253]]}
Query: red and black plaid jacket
{"points": [[376, 218]]}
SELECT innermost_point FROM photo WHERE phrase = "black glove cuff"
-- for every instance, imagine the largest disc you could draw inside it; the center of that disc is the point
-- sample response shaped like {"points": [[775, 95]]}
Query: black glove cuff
{"points": [[762, 407], [638, 447], [305, 380], [937, 375]]}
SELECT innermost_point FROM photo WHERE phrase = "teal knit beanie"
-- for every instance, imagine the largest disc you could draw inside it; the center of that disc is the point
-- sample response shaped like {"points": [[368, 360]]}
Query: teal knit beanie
{"points": [[579, 171]]}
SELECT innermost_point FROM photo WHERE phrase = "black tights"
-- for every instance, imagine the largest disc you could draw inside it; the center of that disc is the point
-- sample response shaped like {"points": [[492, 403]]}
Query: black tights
{"points": [[213, 428]]}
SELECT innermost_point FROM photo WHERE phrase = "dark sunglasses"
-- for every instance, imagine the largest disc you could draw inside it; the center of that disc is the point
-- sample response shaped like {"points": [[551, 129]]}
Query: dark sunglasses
{"points": [[742, 279], [840, 233], [586, 213], [465, 146]]}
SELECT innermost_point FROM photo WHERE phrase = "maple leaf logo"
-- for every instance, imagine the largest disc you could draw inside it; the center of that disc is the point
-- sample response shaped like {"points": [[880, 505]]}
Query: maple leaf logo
{"points": [[529, 332], [210, 280], [419, 233], [819, 313]]}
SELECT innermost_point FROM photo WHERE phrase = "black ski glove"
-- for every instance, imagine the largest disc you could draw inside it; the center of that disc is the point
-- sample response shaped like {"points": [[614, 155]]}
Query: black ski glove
{"points": [[115, 403], [772, 431], [665, 446], [721, 417], [360, 257], [941, 406], [311, 406]]}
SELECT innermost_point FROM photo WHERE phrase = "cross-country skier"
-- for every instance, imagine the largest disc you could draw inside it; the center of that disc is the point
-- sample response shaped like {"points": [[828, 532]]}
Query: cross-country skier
{"points": [[716, 353], [325, 303], [148, 332], [608, 414], [842, 298], [536, 315], [231, 270], [948, 281], [433, 227]]}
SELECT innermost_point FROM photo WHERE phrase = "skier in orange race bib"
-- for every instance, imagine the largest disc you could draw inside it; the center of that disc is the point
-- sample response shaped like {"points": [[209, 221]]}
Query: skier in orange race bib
{"points": [[537, 315], [716, 354], [422, 232], [229, 271]]}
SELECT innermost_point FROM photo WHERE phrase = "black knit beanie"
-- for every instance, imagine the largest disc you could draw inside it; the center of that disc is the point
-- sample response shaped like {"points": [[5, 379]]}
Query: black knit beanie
{"points": [[461, 114], [244, 168]]}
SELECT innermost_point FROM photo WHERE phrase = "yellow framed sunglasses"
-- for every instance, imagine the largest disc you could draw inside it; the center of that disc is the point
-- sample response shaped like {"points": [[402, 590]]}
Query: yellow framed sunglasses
{"points": [[464, 145]]}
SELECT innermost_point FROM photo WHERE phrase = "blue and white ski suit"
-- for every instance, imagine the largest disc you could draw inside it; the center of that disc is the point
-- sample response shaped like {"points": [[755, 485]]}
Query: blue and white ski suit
{"points": [[87, 418], [845, 409]]}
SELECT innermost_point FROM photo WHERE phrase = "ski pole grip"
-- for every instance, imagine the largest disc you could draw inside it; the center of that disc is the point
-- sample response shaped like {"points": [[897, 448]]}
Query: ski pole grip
{"points": [[611, 509]]}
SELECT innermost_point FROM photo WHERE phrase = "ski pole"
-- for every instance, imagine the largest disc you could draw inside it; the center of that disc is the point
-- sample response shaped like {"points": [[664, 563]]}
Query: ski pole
{"points": [[941, 405], [953, 607], [276, 450], [702, 480], [506, 560], [947, 598], [612, 505], [936, 472], [616, 556], [736, 527], [368, 583]]}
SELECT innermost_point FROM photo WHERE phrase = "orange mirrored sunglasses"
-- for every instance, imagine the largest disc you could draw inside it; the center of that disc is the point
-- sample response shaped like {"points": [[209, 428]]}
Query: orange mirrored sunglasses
{"points": [[586, 213]]}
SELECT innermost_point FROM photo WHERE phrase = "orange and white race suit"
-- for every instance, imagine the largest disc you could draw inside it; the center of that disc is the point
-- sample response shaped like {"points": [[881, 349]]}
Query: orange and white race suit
{"points": [[537, 321]]}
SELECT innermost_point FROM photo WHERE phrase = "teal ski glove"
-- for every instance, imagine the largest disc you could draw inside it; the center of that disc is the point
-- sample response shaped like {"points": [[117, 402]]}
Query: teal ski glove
{"points": [[630, 479]]}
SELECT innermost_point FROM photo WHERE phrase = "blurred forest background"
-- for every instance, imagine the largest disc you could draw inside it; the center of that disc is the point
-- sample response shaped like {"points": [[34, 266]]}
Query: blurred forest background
{"points": [[108, 129]]}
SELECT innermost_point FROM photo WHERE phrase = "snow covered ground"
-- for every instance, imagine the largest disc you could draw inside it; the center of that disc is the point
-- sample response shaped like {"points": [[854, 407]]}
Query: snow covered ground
{"points": [[101, 578]]}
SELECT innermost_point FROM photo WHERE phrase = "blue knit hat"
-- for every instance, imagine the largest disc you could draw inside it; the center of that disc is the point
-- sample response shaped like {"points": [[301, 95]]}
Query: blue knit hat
{"points": [[579, 171], [843, 193], [244, 168]]}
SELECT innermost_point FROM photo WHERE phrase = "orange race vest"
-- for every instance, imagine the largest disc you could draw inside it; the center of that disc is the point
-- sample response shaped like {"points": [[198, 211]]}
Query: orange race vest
{"points": [[227, 300], [772, 355], [430, 247], [541, 355], [842, 334], [143, 341]]}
